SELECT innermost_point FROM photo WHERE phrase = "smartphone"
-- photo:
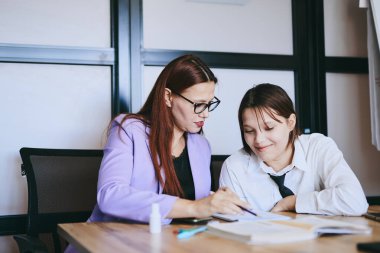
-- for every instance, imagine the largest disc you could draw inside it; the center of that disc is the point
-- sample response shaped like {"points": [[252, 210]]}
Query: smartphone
{"points": [[193, 221], [373, 216], [369, 246], [225, 217]]}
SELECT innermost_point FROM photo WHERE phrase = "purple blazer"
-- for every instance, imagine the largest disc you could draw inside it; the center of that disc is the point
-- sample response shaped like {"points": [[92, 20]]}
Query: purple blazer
{"points": [[127, 185]]}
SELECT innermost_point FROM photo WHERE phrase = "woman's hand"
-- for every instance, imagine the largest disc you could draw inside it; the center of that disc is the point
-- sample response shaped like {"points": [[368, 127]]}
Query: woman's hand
{"points": [[222, 201], [286, 204]]}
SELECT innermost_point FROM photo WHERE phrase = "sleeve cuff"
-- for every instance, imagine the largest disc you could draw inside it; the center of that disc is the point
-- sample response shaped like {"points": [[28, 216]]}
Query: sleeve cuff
{"points": [[306, 203], [165, 207]]}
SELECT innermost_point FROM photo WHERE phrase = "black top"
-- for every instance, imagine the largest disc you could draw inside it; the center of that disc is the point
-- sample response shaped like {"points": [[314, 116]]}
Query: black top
{"points": [[185, 177]]}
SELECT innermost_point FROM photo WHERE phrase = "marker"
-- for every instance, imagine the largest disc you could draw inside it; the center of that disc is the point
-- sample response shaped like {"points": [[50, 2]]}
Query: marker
{"points": [[187, 233]]}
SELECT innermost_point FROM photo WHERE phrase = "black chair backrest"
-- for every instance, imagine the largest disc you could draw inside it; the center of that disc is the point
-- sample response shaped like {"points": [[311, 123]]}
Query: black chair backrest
{"points": [[216, 166], [61, 186]]}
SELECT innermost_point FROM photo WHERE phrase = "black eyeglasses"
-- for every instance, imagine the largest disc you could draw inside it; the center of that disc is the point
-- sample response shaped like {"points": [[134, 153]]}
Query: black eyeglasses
{"points": [[200, 107]]}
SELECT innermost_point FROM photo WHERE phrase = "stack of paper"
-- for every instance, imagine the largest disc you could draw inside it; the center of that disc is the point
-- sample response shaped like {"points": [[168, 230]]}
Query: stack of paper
{"points": [[284, 231], [260, 215]]}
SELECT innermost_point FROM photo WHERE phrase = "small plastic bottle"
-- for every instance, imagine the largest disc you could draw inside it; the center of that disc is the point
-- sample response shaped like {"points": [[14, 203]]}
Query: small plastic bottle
{"points": [[155, 219]]}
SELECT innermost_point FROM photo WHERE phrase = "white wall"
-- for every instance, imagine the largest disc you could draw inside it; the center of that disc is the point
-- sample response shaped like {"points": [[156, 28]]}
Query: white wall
{"points": [[349, 124], [348, 94], [59, 23], [259, 26], [47, 105], [345, 28]]}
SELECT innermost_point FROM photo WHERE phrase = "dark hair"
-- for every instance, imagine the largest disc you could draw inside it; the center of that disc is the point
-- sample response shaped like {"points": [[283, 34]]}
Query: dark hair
{"points": [[266, 97], [181, 73]]}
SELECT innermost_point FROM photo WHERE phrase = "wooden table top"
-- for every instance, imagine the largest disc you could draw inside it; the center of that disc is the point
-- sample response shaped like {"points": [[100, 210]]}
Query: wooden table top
{"points": [[122, 237]]}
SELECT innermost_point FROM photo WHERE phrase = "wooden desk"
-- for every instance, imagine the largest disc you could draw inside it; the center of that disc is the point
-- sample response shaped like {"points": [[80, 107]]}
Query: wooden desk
{"points": [[120, 237]]}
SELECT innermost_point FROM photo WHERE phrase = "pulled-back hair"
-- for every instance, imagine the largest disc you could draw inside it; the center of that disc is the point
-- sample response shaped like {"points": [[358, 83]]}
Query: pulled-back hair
{"points": [[271, 99], [180, 74]]}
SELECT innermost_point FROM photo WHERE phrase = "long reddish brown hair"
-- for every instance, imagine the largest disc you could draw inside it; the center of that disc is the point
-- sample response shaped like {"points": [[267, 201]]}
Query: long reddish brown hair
{"points": [[181, 73]]}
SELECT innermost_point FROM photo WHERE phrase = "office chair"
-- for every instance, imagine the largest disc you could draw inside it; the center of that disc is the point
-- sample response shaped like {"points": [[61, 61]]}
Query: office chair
{"points": [[61, 188], [216, 166]]}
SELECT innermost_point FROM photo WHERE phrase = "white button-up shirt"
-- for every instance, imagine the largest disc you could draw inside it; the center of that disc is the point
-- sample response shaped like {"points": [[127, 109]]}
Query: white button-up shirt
{"points": [[318, 175]]}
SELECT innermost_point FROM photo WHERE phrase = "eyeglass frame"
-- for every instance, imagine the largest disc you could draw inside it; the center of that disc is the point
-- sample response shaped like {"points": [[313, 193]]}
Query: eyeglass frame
{"points": [[196, 104]]}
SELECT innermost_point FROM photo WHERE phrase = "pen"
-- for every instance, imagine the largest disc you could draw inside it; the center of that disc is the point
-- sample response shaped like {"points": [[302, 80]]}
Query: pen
{"points": [[248, 211], [187, 233]]}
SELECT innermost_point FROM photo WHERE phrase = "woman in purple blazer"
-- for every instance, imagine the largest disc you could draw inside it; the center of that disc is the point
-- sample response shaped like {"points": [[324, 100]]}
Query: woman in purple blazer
{"points": [[158, 155]]}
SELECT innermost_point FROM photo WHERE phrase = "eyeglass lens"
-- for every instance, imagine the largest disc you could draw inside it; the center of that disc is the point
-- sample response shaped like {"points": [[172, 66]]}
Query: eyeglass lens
{"points": [[198, 108]]}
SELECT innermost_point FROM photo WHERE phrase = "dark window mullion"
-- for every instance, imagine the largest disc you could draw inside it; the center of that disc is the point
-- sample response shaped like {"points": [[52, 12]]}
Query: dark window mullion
{"points": [[160, 57], [347, 65], [319, 88], [121, 43], [310, 80]]}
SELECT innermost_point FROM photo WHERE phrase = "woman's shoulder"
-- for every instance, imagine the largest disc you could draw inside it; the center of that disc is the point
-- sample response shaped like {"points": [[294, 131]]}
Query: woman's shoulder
{"points": [[130, 124], [314, 139], [315, 142]]}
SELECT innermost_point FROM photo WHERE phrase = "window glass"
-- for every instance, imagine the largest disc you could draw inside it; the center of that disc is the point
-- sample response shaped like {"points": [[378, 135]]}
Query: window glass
{"points": [[254, 27], [70, 22], [48, 106]]}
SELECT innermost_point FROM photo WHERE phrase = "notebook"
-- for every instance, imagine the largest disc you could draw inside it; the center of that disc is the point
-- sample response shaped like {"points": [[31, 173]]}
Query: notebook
{"points": [[284, 231], [261, 215]]}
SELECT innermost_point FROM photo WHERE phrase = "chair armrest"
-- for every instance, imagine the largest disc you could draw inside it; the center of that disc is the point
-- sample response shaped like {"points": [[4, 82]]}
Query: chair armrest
{"points": [[30, 244]]}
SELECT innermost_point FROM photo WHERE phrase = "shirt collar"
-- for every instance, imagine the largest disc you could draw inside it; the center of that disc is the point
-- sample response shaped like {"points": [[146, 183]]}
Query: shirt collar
{"points": [[299, 158], [298, 161]]}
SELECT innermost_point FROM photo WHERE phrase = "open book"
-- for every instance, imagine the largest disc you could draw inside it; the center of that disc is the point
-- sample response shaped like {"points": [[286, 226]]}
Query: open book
{"points": [[260, 215], [283, 231]]}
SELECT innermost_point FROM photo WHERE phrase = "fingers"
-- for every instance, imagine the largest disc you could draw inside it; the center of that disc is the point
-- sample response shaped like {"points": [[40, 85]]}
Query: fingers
{"points": [[231, 209], [226, 201], [225, 190], [239, 203], [234, 198], [276, 208], [279, 206], [286, 204], [227, 207]]}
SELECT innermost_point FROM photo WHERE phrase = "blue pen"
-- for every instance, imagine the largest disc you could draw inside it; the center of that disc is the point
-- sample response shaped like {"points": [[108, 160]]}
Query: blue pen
{"points": [[187, 233]]}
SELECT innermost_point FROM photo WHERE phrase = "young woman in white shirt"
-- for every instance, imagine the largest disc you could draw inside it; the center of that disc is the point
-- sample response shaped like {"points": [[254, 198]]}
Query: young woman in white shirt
{"points": [[315, 177]]}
